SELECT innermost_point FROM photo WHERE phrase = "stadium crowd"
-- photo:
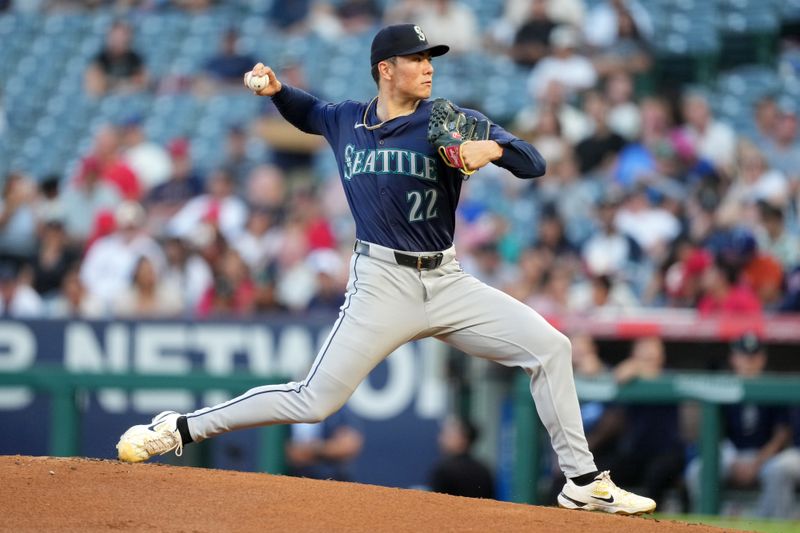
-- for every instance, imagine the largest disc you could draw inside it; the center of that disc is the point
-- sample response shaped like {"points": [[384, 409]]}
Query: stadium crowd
{"points": [[649, 199]]}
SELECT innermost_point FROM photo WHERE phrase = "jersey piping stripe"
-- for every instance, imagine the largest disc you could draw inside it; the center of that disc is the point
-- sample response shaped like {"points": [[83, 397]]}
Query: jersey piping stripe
{"points": [[306, 382]]}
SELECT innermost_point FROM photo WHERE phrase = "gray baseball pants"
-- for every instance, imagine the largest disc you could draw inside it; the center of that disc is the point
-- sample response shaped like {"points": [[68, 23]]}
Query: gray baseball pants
{"points": [[387, 305]]}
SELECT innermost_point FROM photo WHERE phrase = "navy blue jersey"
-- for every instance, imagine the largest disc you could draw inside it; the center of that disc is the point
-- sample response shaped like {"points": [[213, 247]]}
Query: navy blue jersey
{"points": [[400, 192], [750, 427]]}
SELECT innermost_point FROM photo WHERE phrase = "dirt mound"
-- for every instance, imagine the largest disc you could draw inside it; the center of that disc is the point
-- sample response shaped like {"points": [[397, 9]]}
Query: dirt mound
{"points": [[51, 494]]}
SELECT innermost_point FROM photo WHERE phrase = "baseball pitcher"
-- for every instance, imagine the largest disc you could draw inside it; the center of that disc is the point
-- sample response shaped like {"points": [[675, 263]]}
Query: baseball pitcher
{"points": [[402, 160]]}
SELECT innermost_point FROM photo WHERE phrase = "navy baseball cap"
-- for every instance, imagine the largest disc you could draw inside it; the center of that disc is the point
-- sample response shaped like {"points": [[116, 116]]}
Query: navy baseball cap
{"points": [[748, 344], [402, 40]]}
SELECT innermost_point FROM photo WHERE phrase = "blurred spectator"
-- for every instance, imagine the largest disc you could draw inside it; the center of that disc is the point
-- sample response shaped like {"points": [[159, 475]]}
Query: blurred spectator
{"points": [[17, 217], [49, 203], [619, 32], [306, 209], [765, 117], [17, 298], [74, 301], [764, 274], [710, 138], [791, 299], [458, 472], [266, 291], [753, 181], [148, 160], [652, 226], [654, 428], [109, 264], [330, 280], [106, 161], [571, 196], [85, 198], [266, 188], [232, 292], [289, 16], [683, 276], [187, 271], [550, 234], [608, 250], [565, 66], [486, 263], [570, 12], [147, 295], [785, 478], [184, 183], [117, 67], [219, 206], [325, 450], [723, 292], [193, 6], [783, 149], [260, 241], [600, 148], [226, 68], [553, 298], [544, 131], [237, 162], [54, 258], [532, 39], [623, 117], [755, 437], [637, 161], [357, 16], [533, 124], [533, 264], [602, 295], [448, 22]]}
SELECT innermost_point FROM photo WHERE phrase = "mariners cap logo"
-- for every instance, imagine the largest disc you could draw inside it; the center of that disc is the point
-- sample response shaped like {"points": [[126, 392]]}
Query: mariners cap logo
{"points": [[402, 40]]}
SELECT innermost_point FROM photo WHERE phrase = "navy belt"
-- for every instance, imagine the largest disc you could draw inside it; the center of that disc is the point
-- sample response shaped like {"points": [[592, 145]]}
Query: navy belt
{"points": [[419, 262]]}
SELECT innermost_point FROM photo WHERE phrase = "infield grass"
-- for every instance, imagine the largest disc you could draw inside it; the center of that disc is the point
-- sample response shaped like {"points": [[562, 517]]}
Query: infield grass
{"points": [[743, 524]]}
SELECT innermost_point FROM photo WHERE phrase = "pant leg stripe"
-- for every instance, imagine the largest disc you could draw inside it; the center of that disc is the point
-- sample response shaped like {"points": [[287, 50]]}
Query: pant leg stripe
{"points": [[307, 381]]}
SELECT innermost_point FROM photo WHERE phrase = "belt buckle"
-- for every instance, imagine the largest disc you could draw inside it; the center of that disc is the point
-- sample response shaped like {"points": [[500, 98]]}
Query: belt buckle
{"points": [[419, 262]]}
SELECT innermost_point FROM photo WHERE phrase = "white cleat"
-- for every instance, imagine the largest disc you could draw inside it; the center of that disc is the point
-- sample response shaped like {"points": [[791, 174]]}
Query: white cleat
{"points": [[142, 442], [603, 495]]}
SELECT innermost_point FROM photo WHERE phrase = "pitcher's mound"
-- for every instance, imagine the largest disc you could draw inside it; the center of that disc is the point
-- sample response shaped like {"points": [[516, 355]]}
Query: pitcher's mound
{"points": [[51, 494]]}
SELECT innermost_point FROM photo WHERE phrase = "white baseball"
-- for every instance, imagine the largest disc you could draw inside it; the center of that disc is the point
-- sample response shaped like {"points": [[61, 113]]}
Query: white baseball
{"points": [[257, 83]]}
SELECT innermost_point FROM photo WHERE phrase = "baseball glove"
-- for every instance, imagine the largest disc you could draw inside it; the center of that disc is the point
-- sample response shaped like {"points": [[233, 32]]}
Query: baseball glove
{"points": [[449, 129]]}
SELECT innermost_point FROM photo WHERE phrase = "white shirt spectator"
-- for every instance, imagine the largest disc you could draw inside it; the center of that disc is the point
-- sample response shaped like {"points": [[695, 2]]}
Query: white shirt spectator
{"points": [[571, 70], [150, 162], [81, 206], [193, 279], [650, 227], [107, 269], [606, 253], [601, 24], [771, 186], [232, 216], [717, 143], [167, 303], [25, 303], [450, 22]]}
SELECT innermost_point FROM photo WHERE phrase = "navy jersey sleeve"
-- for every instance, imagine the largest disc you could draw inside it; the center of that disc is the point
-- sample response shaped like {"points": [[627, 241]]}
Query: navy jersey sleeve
{"points": [[304, 111], [519, 157]]}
